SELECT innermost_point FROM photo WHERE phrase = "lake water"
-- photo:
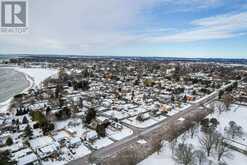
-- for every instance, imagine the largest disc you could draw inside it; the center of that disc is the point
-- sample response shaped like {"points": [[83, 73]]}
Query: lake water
{"points": [[11, 83]]}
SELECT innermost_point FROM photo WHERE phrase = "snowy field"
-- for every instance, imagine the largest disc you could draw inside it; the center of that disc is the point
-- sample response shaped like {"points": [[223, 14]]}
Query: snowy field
{"points": [[236, 113], [37, 74], [165, 157]]}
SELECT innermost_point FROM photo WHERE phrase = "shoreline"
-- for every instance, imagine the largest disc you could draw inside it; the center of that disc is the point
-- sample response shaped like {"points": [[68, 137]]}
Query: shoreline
{"points": [[34, 78], [5, 105], [28, 78]]}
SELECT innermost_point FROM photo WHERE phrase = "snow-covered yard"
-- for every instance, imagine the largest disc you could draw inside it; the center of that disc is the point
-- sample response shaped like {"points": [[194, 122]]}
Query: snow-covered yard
{"points": [[118, 135], [102, 142], [117, 114], [154, 120], [236, 113], [141, 124], [81, 151]]}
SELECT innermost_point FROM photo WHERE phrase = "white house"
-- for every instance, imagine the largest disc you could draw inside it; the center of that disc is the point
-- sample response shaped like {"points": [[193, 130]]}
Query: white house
{"points": [[74, 142], [91, 136], [48, 150], [28, 159]]}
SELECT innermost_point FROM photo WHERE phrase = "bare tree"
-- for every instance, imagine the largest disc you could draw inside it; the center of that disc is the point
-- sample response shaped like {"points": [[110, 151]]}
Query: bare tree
{"points": [[222, 163], [218, 140], [193, 129], [210, 162], [207, 142], [184, 154], [234, 130], [173, 145], [222, 150], [200, 156], [220, 107], [228, 100], [74, 107], [157, 143], [158, 147], [128, 157]]}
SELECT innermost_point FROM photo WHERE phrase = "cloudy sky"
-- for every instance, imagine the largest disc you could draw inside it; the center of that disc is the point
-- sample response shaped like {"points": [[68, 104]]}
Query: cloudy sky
{"points": [[174, 28]]}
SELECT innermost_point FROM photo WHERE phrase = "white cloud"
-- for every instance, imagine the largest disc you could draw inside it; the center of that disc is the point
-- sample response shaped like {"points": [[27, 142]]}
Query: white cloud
{"points": [[226, 21], [94, 26], [217, 27], [173, 6], [77, 25]]}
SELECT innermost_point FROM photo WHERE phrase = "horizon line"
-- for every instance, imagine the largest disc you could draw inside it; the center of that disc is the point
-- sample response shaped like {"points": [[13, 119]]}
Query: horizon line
{"points": [[134, 56]]}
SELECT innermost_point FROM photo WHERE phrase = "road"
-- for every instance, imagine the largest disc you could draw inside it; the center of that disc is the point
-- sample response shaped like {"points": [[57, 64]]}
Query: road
{"points": [[107, 152]]}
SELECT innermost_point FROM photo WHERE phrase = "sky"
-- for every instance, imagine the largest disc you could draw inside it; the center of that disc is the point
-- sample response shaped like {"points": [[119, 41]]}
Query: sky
{"points": [[164, 28]]}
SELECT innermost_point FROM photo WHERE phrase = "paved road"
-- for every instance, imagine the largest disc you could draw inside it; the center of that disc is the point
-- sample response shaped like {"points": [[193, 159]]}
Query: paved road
{"points": [[120, 145], [116, 147]]}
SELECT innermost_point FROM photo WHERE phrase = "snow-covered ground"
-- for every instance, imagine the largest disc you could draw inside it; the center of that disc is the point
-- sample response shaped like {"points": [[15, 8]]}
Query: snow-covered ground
{"points": [[165, 157], [117, 114], [143, 124], [37, 74], [236, 113], [5, 105], [102, 142], [119, 135], [81, 151], [154, 120]]}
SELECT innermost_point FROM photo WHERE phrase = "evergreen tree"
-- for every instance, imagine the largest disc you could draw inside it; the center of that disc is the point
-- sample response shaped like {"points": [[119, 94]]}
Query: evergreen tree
{"points": [[9, 141], [91, 114], [48, 110], [5, 158], [185, 99], [28, 131], [100, 129], [24, 120]]}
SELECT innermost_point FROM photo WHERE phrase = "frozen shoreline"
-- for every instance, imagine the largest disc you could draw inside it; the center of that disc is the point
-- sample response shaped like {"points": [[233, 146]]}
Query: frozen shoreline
{"points": [[33, 78], [4, 106]]}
